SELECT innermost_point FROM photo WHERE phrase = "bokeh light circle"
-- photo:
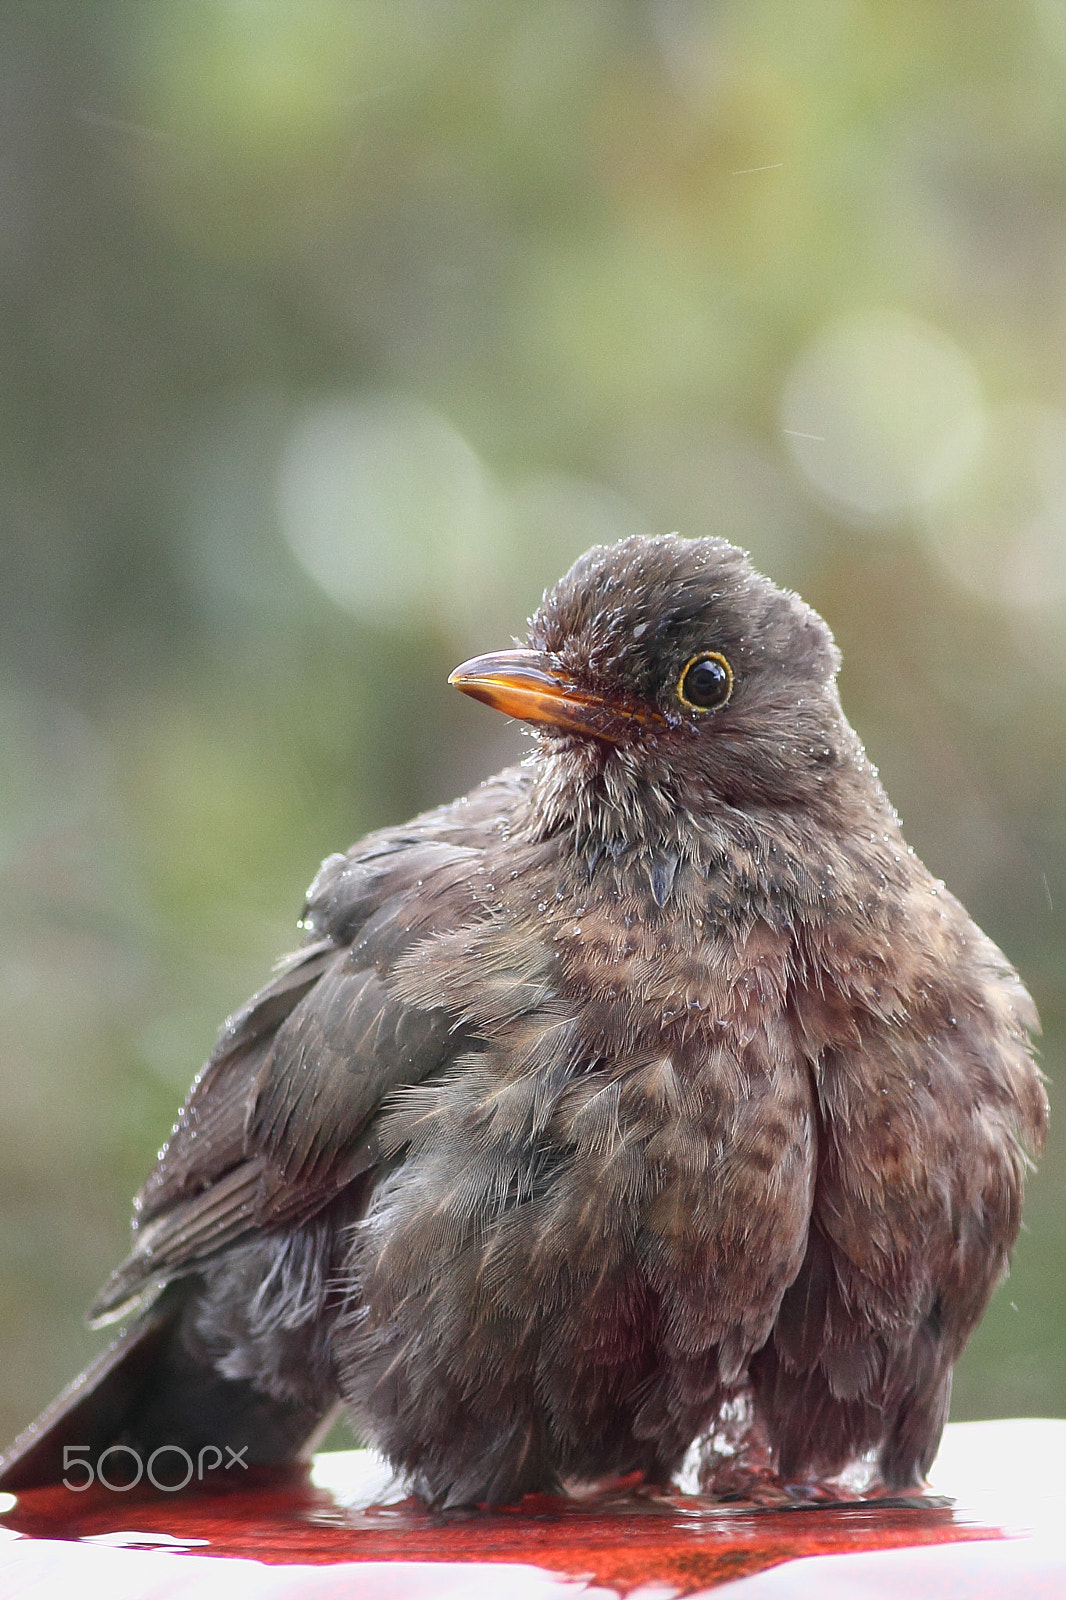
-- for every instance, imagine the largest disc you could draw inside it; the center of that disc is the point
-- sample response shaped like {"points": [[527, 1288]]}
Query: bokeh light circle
{"points": [[386, 506], [1002, 534], [882, 414]]}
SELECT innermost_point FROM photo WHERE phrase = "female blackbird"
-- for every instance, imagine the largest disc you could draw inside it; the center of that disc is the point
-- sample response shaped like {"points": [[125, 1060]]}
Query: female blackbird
{"points": [[654, 1090]]}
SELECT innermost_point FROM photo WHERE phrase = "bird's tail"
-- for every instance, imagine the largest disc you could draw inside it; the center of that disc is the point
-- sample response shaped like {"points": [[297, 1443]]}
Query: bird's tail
{"points": [[157, 1412]]}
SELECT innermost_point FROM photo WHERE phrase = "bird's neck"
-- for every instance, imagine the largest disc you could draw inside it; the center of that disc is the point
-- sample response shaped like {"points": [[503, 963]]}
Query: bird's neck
{"points": [[604, 799], [607, 815]]}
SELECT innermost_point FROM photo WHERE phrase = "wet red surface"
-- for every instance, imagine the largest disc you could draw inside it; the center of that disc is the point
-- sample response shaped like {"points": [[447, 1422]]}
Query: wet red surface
{"points": [[685, 1542]]}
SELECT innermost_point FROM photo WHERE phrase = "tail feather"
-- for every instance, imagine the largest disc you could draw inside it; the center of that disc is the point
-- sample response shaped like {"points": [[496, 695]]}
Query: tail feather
{"points": [[146, 1390]]}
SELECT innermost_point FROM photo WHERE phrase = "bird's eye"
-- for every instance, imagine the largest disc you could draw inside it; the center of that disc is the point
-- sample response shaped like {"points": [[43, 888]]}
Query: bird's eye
{"points": [[706, 683]]}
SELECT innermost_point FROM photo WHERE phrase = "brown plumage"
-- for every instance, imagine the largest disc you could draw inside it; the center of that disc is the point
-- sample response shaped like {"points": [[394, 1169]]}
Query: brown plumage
{"points": [[654, 1090]]}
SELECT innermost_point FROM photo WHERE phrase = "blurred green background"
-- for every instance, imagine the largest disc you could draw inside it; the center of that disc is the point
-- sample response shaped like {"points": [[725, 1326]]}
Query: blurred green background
{"points": [[330, 332]]}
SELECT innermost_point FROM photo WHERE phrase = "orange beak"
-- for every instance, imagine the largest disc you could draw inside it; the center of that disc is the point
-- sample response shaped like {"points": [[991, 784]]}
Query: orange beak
{"points": [[524, 684]]}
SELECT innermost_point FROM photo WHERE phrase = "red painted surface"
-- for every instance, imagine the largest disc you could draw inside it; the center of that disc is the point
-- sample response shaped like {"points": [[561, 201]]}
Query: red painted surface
{"points": [[685, 1542]]}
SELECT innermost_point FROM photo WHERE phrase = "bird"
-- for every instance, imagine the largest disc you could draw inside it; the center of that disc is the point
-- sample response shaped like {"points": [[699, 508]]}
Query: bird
{"points": [[651, 1098]]}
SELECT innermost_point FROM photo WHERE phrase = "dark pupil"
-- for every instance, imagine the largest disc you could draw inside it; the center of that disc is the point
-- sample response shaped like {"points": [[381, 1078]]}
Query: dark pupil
{"points": [[706, 683]]}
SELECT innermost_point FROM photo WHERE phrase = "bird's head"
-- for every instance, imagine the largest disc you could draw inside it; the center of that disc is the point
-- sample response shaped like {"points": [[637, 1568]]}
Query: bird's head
{"points": [[672, 665]]}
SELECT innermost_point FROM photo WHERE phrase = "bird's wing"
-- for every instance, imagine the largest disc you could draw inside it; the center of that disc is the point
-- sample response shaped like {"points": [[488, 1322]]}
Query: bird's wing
{"points": [[279, 1121], [926, 1113]]}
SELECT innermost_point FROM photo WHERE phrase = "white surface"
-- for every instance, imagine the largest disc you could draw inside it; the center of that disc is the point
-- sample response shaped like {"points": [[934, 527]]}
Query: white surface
{"points": [[1010, 1475], [1030, 1569], [41, 1569]]}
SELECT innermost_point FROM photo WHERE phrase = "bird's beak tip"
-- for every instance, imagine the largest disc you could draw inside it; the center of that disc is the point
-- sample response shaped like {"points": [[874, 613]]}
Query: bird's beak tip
{"points": [[528, 685]]}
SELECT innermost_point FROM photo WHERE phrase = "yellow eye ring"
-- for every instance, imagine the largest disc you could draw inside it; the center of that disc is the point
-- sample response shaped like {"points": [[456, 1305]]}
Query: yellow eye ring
{"points": [[706, 682]]}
